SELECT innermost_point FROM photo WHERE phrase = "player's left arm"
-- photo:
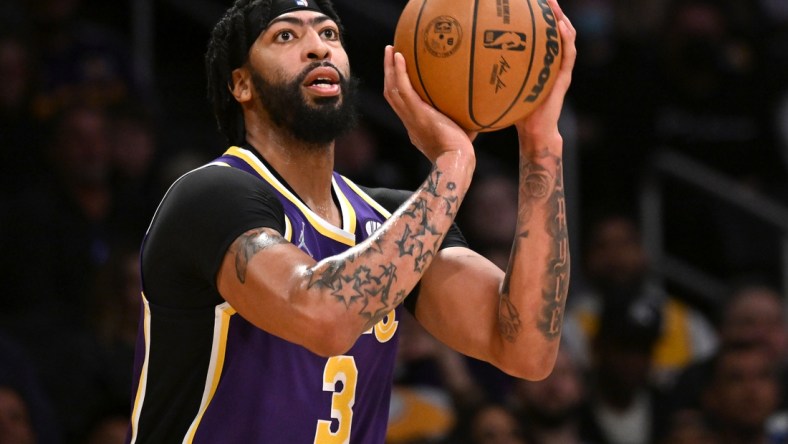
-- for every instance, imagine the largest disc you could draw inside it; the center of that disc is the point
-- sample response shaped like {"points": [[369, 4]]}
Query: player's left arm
{"points": [[513, 319]]}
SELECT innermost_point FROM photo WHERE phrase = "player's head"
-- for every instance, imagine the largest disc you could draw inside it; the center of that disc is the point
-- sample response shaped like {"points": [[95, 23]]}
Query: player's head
{"points": [[278, 88]]}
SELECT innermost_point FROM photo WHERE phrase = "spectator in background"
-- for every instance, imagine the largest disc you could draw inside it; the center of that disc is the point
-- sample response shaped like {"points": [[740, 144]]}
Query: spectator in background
{"points": [[19, 379], [134, 154], [752, 313], [116, 301], [688, 427], [617, 269], [61, 234], [624, 407], [19, 136], [61, 228], [432, 386], [741, 396], [488, 219], [715, 107], [15, 424], [612, 95], [358, 158], [711, 106], [80, 60], [111, 429], [489, 423], [550, 409], [489, 215]]}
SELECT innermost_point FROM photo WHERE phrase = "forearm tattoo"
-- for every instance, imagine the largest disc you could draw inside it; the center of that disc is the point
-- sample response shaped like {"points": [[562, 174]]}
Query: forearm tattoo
{"points": [[372, 286], [535, 185], [557, 275], [509, 323], [249, 244]]}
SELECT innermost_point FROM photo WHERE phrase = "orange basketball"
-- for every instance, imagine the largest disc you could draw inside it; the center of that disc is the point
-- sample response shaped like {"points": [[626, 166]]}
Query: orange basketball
{"points": [[484, 63]]}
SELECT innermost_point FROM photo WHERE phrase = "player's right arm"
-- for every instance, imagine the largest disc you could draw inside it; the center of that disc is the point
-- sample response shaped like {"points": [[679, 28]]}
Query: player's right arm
{"points": [[325, 306]]}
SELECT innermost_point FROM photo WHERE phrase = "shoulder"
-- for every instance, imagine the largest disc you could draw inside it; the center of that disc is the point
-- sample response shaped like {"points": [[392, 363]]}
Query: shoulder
{"points": [[217, 185], [216, 196], [210, 177]]}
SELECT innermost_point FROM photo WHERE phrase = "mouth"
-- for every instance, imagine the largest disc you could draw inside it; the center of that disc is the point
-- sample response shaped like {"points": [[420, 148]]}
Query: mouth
{"points": [[323, 81]]}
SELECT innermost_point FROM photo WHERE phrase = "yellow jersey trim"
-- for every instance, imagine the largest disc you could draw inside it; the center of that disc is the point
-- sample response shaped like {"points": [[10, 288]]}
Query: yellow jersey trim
{"points": [[345, 235], [223, 314], [379, 208], [288, 229], [143, 383]]}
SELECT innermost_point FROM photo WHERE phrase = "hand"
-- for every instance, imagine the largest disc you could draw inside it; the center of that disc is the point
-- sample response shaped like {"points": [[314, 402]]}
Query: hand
{"points": [[543, 122], [432, 132]]}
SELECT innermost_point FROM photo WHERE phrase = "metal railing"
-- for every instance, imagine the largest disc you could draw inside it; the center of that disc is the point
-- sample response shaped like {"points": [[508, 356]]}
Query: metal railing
{"points": [[671, 165]]}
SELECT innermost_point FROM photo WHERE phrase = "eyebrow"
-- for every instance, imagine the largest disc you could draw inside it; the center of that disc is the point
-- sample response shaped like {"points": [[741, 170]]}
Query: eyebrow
{"points": [[300, 22]]}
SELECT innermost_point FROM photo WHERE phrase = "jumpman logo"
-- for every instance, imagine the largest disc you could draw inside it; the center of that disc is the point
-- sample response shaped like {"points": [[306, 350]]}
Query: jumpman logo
{"points": [[301, 242]]}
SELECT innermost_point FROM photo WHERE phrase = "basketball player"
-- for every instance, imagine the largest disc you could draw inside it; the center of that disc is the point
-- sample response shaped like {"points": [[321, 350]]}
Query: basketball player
{"points": [[272, 285]]}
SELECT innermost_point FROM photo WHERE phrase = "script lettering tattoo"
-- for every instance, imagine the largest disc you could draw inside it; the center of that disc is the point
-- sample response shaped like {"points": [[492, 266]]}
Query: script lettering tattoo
{"points": [[373, 289], [557, 275], [405, 245], [534, 186], [433, 181], [249, 244], [538, 187]]}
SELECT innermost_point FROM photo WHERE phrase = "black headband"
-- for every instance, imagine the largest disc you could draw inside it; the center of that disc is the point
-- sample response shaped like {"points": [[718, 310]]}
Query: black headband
{"points": [[257, 21]]}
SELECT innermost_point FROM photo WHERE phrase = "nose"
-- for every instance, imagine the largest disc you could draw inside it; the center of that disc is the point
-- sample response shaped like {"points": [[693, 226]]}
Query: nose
{"points": [[316, 48]]}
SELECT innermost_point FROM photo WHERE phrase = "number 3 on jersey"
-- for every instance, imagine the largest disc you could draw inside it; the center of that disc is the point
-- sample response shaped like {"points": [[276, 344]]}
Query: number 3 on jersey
{"points": [[338, 368]]}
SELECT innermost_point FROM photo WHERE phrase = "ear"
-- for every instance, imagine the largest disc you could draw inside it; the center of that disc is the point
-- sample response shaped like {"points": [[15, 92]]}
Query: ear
{"points": [[241, 87]]}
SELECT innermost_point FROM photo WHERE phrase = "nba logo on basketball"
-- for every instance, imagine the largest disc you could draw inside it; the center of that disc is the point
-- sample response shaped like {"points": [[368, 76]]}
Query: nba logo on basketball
{"points": [[507, 40]]}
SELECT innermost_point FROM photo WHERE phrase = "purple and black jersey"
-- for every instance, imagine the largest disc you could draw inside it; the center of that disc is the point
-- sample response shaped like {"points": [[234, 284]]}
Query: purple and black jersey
{"points": [[203, 374]]}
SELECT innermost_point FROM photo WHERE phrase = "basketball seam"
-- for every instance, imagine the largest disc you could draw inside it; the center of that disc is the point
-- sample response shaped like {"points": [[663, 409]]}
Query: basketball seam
{"points": [[471, 64], [416, 55], [522, 85], [530, 66]]}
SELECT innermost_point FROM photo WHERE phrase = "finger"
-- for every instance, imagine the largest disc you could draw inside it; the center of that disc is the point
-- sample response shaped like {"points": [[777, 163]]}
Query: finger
{"points": [[402, 80], [557, 11], [390, 89], [569, 49], [388, 66], [405, 90]]}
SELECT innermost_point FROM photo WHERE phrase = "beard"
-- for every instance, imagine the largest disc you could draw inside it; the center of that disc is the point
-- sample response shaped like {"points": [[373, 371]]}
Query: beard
{"points": [[315, 124]]}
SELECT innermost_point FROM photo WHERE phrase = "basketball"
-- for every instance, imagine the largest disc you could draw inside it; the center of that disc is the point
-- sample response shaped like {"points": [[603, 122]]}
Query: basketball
{"points": [[485, 64]]}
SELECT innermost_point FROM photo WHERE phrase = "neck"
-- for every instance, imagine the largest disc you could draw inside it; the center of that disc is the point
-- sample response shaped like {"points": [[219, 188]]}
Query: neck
{"points": [[306, 168]]}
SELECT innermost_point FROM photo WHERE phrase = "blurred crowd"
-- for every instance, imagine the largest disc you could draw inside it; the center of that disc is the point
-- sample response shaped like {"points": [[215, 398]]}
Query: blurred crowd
{"points": [[87, 150]]}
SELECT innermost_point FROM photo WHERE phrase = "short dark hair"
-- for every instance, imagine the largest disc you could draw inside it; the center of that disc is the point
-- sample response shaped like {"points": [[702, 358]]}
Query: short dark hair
{"points": [[228, 49]]}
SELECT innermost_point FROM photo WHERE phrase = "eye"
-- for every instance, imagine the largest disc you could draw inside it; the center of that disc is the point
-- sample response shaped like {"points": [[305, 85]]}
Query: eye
{"points": [[330, 34], [284, 36]]}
